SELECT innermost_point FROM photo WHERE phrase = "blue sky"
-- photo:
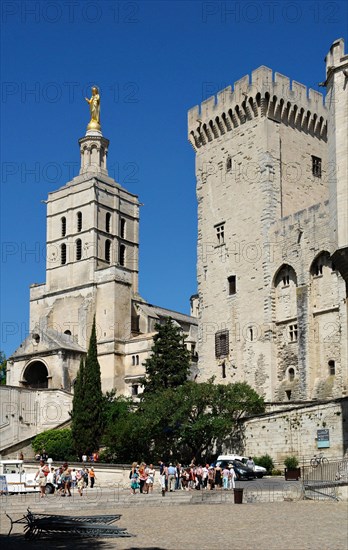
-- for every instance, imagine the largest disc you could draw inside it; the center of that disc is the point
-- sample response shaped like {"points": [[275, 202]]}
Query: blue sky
{"points": [[153, 61]]}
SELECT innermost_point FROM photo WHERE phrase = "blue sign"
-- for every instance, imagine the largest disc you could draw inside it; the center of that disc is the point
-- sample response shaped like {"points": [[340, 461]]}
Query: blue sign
{"points": [[323, 439]]}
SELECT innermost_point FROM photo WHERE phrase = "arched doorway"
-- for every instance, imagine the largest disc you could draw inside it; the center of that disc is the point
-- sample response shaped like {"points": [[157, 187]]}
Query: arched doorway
{"points": [[35, 375]]}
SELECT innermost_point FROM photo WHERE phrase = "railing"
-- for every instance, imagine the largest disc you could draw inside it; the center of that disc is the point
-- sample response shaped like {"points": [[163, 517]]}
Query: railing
{"points": [[322, 480]]}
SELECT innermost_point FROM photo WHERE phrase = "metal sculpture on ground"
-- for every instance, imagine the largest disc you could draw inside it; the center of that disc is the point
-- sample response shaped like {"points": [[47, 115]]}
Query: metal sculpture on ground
{"points": [[81, 526]]}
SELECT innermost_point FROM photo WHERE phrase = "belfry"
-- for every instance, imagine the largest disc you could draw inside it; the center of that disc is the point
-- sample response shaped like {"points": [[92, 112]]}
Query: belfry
{"points": [[92, 269]]}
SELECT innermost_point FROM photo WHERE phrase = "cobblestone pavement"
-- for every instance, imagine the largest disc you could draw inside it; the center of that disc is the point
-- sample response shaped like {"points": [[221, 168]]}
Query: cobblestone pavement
{"points": [[303, 525]]}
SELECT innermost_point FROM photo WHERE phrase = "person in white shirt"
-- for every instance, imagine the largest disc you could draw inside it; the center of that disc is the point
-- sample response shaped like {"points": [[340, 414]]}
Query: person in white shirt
{"points": [[232, 477]]}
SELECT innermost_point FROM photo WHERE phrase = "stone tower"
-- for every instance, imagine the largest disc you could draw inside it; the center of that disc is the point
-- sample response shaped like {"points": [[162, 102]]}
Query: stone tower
{"points": [[337, 105], [267, 287], [92, 269]]}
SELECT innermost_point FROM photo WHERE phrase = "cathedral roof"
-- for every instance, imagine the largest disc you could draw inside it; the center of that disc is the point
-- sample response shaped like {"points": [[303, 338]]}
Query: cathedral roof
{"points": [[46, 341], [157, 312]]}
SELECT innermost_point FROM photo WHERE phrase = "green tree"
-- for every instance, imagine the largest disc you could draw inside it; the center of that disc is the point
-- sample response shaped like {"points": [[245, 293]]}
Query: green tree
{"points": [[189, 421], [126, 435], [3, 365], [57, 443], [87, 414], [196, 420], [169, 364]]}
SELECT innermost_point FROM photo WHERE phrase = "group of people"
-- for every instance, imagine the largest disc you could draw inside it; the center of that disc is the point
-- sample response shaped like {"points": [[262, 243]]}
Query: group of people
{"points": [[64, 478], [142, 477], [94, 457], [176, 477]]}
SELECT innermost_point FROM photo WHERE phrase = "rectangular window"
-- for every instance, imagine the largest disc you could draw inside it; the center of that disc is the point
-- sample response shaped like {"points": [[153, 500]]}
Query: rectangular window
{"points": [[221, 343], [220, 233], [232, 285], [293, 332], [316, 167]]}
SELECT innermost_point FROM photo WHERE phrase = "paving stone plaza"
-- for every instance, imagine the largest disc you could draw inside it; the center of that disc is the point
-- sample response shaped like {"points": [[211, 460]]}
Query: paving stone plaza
{"points": [[178, 522]]}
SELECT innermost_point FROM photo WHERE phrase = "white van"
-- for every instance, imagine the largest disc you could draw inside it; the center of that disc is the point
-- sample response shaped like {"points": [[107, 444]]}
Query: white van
{"points": [[14, 478]]}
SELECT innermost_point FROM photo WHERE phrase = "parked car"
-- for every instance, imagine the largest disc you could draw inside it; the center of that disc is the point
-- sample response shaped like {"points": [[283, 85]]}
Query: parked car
{"points": [[241, 470], [259, 471]]}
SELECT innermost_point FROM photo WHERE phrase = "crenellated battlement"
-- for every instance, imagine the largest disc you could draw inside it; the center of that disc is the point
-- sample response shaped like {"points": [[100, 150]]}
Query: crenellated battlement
{"points": [[264, 95]]}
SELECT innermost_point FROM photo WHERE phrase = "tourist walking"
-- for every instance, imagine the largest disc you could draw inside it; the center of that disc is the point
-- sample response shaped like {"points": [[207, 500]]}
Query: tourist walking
{"points": [[86, 476], [80, 481], [142, 477], [205, 476], [41, 475], [225, 478], [171, 477], [211, 478], [92, 477], [150, 472], [134, 478], [232, 477], [218, 477], [66, 478]]}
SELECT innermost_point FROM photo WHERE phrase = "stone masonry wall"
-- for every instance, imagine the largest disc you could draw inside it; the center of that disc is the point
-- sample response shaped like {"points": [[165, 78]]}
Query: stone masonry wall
{"points": [[293, 431]]}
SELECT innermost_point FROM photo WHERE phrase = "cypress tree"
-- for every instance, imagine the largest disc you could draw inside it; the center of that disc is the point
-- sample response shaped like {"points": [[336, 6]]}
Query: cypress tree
{"points": [[169, 364], [78, 412], [87, 414]]}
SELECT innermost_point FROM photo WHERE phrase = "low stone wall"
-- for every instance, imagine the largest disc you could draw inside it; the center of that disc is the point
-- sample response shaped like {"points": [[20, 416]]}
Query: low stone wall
{"points": [[107, 475], [25, 413], [293, 431]]}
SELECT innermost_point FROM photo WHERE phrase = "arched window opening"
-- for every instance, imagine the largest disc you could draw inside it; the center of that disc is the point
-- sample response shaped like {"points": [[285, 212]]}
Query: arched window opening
{"points": [[137, 359], [135, 389], [288, 394], [223, 369], [107, 222], [79, 222], [251, 334], [63, 222], [36, 375], [78, 249], [285, 277], [229, 164], [122, 255], [107, 250], [332, 367], [291, 374], [123, 228], [319, 264], [63, 254], [133, 360], [67, 332]]}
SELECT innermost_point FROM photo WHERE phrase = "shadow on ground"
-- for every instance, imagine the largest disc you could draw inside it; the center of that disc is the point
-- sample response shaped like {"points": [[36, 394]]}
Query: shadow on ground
{"points": [[17, 542]]}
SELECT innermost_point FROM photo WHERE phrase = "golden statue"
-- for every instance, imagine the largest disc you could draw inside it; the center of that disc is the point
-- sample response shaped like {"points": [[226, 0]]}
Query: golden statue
{"points": [[94, 107]]}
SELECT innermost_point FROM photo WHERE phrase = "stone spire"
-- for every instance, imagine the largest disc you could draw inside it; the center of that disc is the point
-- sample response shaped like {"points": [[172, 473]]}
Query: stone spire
{"points": [[94, 147]]}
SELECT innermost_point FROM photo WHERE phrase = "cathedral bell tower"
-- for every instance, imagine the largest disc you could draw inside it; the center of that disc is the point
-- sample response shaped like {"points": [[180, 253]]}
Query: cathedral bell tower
{"points": [[91, 269]]}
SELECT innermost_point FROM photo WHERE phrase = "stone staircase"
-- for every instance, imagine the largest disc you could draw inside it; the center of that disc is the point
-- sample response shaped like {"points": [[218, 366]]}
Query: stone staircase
{"points": [[102, 500]]}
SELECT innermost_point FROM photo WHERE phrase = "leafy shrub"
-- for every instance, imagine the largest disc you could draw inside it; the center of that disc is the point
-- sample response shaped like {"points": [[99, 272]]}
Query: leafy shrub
{"points": [[276, 472], [291, 462], [266, 461], [57, 443]]}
